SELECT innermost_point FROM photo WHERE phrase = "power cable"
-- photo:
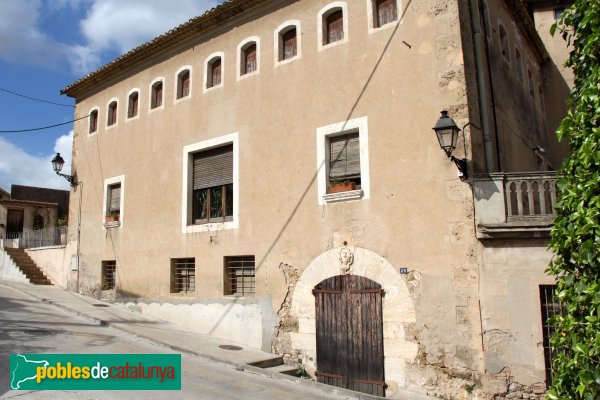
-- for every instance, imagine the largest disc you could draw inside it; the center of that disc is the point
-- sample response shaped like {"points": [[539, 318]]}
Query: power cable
{"points": [[44, 127], [34, 99]]}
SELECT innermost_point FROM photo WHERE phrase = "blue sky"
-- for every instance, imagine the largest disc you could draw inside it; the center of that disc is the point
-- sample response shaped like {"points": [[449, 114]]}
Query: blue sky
{"points": [[47, 44]]}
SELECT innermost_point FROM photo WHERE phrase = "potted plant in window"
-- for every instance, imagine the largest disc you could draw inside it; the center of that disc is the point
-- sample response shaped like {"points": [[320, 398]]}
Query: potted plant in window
{"points": [[113, 216], [341, 185]]}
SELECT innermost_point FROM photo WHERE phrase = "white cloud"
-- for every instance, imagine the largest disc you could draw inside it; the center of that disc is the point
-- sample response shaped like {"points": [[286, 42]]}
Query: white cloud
{"points": [[20, 168], [108, 26]]}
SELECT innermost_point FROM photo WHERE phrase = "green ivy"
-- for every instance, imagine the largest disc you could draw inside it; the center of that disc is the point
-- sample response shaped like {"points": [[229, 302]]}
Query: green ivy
{"points": [[576, 234]]}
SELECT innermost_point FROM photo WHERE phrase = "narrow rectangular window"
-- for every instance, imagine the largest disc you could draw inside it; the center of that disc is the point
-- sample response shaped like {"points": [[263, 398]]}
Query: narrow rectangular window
{"points": [[289, 49], [112, 113], [212, 196], [335, 27], [250, 59], [93, 121], [157, 95], [183, 275], [109, 275], [133, 105], [113, 206], [385, 12], [215, 73], [239, 276], [344, 159], [551, 306], [183, 84]]}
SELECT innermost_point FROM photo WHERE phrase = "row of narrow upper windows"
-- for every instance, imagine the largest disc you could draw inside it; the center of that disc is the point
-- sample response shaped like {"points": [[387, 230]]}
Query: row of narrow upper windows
{"points": [[384, 12]]}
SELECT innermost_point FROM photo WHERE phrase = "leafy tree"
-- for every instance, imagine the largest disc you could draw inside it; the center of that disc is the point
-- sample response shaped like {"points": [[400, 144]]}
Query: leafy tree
{"points": [[576, 234]]}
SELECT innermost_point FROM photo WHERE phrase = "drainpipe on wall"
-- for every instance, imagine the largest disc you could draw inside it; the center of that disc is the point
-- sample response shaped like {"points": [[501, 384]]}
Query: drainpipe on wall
{"points": [[482, 88]]}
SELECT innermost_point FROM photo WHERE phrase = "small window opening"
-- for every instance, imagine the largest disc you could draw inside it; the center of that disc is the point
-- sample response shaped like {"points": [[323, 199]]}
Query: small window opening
{"points": [[93, 121], [289, 47], [157, 95], [113, 200], [132, 110], [239, 276], [519, 62], [183, 275], [504, 43], [109, 275], [112, 113], [551, 306], [214, 73], [334, 26], [384, 12], [249, 61], [183, 84], [344, 162]]}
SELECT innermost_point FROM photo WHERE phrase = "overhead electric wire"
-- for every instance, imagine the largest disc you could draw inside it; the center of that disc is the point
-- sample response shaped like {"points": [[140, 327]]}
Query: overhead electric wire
{"points": [[34, 99], [44, 127]]}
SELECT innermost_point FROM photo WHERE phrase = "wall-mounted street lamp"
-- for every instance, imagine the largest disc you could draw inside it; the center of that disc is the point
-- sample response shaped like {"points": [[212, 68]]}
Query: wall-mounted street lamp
{"points": [[447, 134], [57, 165]]}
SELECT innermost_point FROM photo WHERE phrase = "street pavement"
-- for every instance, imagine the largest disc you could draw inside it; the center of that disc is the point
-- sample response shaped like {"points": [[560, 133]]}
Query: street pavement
{"points": [[49, 319]]}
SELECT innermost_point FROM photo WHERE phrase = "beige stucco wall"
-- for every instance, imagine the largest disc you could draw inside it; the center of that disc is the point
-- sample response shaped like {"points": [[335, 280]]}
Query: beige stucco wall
{"points": [[418, 214], [511, 275]]}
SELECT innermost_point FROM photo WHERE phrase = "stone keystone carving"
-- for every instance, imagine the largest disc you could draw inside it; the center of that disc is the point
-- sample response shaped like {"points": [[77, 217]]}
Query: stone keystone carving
{"points": [[346, 260]]}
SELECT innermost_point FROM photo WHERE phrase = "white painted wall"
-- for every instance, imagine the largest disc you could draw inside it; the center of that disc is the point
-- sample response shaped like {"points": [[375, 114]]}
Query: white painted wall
{"points": [[8, 269], [54, 262]]}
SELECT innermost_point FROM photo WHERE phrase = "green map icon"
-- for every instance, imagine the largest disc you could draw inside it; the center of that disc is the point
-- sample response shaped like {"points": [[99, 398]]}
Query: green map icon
{"points": [[23, 369]]}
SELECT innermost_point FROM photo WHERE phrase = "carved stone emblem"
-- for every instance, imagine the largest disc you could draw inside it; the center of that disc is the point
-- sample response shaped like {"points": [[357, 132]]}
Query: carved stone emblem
{"points": [[346, 260]]}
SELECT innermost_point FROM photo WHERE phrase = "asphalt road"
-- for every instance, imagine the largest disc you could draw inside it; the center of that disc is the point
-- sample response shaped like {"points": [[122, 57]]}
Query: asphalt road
{"points": [[29, 326]]}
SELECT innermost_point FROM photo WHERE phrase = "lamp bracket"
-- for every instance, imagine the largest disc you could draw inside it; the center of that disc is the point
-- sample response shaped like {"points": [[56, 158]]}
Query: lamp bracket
{"points": [[461, 164]]}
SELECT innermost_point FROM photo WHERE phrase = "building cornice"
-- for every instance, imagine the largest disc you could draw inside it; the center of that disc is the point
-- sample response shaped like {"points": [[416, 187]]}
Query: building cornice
{"points": [[527, 28], [211, 19]]}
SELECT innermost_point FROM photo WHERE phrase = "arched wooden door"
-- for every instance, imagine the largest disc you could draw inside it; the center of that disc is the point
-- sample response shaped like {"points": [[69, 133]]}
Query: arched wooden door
{"points": [[349, 327]]}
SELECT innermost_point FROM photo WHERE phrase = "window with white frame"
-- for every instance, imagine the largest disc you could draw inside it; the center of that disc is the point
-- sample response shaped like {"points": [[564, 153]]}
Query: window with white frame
{"points": [[287, 42], [113, 201], [133, 104], [332, 25], [156, 94], [214, 71], [184, 80], [93, 125], [248, 58], [382, 12], [343, 161], [210, 192], [111, 115]]}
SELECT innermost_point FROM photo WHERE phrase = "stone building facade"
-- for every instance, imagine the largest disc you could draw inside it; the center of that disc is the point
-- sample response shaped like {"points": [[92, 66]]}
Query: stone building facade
{"points": [[207, 166]]}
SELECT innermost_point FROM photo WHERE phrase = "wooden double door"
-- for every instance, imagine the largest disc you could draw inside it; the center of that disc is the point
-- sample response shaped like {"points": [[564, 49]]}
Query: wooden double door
{"points": [[349, 329]]}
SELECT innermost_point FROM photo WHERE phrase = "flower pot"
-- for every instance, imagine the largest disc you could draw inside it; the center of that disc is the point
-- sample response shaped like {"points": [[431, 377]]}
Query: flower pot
{"points": [[112, 218], [342, 187]]}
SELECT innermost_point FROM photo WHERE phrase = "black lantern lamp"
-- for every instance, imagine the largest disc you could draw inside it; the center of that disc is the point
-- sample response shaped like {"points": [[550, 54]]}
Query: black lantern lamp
{"points": [[447, 134], [57, 165]]}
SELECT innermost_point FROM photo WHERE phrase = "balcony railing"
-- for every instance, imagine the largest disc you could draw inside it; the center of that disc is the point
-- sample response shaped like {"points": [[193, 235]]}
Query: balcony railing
{"points": [[517, 202], [38, 238]]}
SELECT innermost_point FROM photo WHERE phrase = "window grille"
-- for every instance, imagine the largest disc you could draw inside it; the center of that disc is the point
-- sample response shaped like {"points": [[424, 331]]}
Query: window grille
{"points": [[551, 306], [240, 276], [109, 275], [183, 275]]}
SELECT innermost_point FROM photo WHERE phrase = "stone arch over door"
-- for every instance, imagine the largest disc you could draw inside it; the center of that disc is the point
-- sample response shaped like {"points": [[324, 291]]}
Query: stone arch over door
{"points": [[397, 304]]}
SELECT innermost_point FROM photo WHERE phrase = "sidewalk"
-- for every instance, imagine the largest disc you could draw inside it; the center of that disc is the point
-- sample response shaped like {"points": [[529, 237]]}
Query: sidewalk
{"points": [[165, 334]]}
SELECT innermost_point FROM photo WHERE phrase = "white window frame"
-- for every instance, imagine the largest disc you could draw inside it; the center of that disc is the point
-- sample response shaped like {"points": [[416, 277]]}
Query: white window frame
{"points": [[187, 183], [127, 119], [106, 126], [277, 41], [206, 65], [359, 125], [320, 39], [97, 109], [176, 87], [162, 106], [255, 39], [371, 17], [108, 182]]}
